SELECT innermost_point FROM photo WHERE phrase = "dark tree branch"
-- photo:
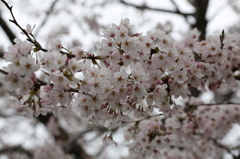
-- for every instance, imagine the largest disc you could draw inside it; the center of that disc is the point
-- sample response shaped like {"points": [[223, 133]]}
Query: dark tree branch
{"points": [[68, 145], [44, 118], [1, 54], [11, 36], [77, 150], [7, 30], [177, 8], [201, 7], [16, 149]]}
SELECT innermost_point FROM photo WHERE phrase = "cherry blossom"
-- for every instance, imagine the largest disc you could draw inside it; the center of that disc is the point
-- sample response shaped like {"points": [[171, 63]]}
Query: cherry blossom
{"points": [[132, 80]]}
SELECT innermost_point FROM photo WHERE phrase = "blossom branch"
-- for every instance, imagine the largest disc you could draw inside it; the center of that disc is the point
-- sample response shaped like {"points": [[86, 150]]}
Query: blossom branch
{"points": [[214, 104], [137, 121], [192, 108], [33, 41]]}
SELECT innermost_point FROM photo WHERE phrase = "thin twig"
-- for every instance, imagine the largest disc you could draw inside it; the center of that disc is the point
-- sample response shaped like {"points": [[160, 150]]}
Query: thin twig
{"points": [[137, 121], [176, 6], [157, 9], [221, 145], [220, 9], [4, 72], [50, 10], [179, 12], [33, 41], [215, 104]]}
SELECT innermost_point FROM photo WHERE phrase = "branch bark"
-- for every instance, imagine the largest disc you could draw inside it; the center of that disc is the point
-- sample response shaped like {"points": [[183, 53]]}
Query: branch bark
{"points": [[11, 36], [69, 146], [201, 7], [16, 149]]}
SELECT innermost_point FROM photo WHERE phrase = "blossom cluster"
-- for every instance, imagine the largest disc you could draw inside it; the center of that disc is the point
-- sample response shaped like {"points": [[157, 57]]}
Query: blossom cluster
{"points": [[22, 66], [189, 135], [130, 77]]}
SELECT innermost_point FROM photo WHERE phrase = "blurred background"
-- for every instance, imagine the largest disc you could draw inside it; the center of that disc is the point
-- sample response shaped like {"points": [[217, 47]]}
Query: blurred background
{"points": [[80, 23]]}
